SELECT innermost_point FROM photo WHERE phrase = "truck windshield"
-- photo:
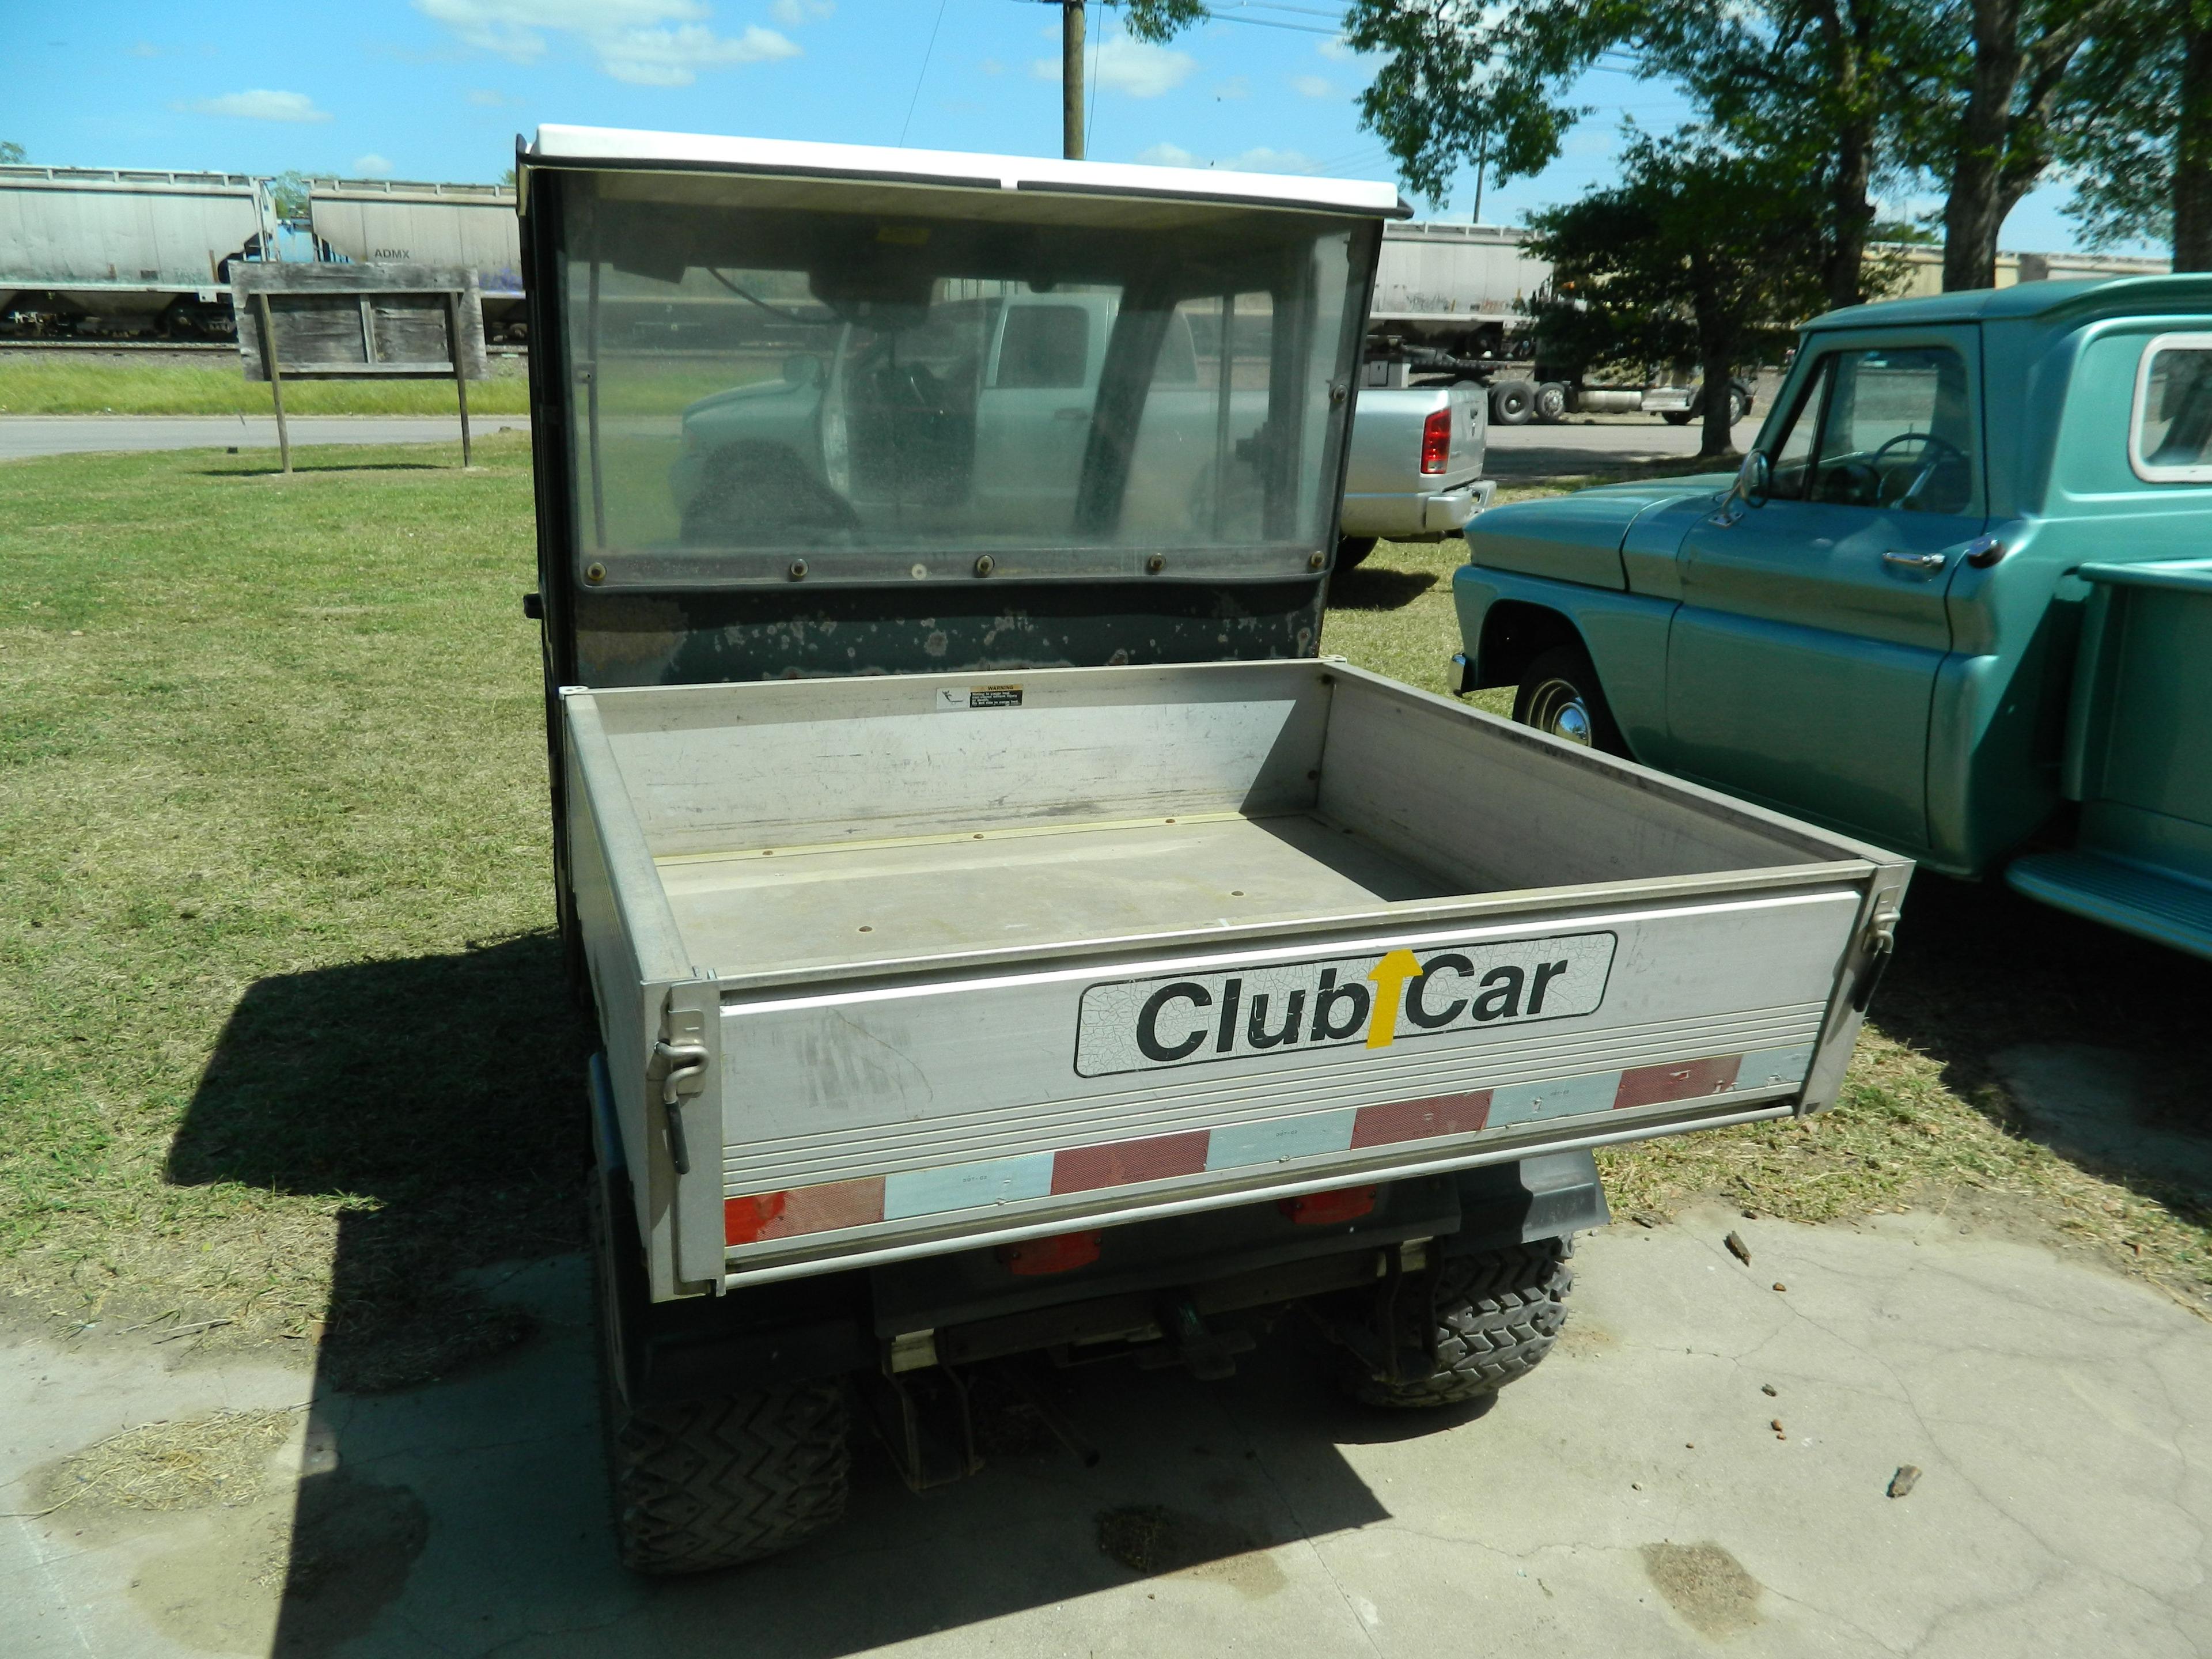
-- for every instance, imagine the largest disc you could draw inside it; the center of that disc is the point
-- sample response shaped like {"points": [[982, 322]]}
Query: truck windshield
{"points": [[1038, 388]]}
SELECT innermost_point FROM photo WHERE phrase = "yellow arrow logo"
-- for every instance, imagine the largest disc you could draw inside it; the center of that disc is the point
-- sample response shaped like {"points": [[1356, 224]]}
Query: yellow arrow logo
{"points": [[1390, 975]]}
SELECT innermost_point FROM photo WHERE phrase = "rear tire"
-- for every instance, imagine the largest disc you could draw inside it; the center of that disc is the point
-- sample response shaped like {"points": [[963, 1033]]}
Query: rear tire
{"points": [[1490, 1319], [716, 1482], [1351, 550], [1551, 403], [1511, 403], [1559, 694], [700, 1485]]}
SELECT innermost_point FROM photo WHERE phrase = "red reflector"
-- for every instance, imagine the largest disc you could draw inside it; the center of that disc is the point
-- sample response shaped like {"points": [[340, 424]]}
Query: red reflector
{"points": [[1057, 1255], [1435, 440], [1319, 1209]]}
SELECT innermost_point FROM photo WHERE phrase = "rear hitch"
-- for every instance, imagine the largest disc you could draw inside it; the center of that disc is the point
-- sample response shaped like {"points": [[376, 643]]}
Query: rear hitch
{"points": [[1211, 1355]]}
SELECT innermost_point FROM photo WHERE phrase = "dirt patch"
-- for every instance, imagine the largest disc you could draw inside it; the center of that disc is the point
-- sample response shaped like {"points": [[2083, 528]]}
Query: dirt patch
{"points": [[238, 1555], [1706, 1584], [1153, 1539], [222, 1459]]}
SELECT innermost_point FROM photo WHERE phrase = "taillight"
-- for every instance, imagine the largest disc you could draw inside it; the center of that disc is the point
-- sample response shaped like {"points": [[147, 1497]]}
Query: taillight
{"points": [[1062, 1252], [1325, 1209], [1435, 440]]}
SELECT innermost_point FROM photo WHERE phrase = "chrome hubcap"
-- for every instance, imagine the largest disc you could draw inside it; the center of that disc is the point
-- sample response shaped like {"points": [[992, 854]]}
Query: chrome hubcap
{"points": [[1557, 707]]}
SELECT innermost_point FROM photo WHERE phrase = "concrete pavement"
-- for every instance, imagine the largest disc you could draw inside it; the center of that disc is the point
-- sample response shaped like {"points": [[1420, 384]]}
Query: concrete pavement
{"points": [[1631, 1498], [22, 435]]}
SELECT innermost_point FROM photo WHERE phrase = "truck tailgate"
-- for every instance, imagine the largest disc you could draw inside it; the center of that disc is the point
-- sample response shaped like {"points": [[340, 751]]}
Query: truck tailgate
{"points": [[1034, 1101]]}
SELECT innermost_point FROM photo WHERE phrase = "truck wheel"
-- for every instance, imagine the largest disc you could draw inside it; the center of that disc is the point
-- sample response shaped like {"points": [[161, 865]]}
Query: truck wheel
{"points": [[714, 1483], [1559, 693], [1677, 416], [1738, 405], [1551, 402], [1489, 1319], [703, 1484], [1511, 403], [1351, 550]]}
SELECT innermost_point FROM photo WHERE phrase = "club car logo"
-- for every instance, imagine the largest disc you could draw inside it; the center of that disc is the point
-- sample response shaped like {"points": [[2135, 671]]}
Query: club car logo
{"points": [[1367, 1002]]}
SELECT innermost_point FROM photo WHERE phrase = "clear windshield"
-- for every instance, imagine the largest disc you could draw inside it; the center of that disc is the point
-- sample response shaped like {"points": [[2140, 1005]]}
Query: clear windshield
{"points": [[1065, 388]]}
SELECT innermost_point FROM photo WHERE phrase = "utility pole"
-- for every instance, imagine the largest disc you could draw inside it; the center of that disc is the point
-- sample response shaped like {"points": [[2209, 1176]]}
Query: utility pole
{"points": [[1071, 79]]}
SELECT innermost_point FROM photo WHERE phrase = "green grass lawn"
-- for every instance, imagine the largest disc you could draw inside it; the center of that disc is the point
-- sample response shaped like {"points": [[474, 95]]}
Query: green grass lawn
{"points": [[87, 383], [283, 1033]]}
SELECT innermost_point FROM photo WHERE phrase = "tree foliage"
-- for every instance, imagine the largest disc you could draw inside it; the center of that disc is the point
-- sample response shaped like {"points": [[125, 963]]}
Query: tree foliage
{"points": [[1810, 85], [2136, 131], [288, 194], [1697, 255], [11, 153]]}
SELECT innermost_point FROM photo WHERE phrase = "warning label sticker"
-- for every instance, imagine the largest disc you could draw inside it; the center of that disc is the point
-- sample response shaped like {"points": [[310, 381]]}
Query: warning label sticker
{"points": [[964, 697]]}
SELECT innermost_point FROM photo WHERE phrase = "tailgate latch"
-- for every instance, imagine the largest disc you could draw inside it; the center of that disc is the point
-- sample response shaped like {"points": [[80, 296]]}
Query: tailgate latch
{"points": [[680, 1067], [1881, 946]]}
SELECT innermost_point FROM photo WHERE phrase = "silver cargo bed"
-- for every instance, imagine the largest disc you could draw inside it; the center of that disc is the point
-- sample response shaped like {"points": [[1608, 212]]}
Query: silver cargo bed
{"points": [[925, 962]]}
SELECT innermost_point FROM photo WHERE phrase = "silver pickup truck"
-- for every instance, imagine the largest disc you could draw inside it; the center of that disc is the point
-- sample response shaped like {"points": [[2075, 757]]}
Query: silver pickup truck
{"points": [[1415, 471], [1020, 372], [1005, 935]]}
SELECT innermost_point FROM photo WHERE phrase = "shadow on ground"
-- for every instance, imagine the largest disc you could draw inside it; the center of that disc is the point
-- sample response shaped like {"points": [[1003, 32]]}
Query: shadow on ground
{"points": [[1367, 587], [452, 1495], [2030, 1010]]}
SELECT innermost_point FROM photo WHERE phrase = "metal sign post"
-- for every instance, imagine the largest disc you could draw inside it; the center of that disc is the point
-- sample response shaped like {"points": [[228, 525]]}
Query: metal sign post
{"points": [[348, 322]]}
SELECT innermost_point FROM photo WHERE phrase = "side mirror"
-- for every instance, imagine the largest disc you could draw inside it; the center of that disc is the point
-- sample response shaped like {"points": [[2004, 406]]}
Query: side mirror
{"points": [[1754, 479]]}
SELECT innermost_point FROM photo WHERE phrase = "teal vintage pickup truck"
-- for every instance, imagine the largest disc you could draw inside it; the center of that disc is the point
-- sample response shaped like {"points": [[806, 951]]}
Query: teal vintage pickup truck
{"points": [[1958, 600]]}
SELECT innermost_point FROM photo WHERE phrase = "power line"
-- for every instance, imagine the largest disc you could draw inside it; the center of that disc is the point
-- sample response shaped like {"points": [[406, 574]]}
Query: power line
{"points": [[924, 75]]}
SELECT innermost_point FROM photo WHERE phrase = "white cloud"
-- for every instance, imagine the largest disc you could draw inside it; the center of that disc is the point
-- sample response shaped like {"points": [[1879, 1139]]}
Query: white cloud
{"points": [[1312, 86], [371, 165], [260, 105], [652, 43], [144, 49], [992, 66], [1235, 87], [485, 97], [1140, 69], [1264, 159], [1339, 49], [793, 13], [1135, 67]]}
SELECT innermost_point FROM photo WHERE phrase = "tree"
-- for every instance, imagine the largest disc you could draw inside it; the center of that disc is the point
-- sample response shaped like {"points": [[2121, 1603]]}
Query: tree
{"points": [[1983, 120], [1811, 86], [2136, 131], [10, 153], [288, 194], [1698, 254]]}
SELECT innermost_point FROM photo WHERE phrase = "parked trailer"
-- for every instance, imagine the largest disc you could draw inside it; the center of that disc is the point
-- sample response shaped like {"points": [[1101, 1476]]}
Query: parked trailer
{"points": [[400, 222], [1454, 301], [119, 250]]}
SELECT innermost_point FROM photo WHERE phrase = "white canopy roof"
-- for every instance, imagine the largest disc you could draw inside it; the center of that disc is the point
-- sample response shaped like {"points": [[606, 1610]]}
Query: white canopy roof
{"points": [[618, 147]]}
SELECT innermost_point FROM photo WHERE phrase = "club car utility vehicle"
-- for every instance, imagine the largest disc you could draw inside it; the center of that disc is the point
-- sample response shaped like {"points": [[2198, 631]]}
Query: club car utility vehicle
{"points": [[1007, 935]]}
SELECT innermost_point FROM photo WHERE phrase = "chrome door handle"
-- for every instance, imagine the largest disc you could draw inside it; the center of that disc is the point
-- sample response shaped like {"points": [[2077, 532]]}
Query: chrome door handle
{"points": [[1916, 561]]}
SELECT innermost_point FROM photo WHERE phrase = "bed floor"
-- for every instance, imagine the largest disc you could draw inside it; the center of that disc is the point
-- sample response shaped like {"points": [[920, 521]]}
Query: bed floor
{"points": [[771, 909]]}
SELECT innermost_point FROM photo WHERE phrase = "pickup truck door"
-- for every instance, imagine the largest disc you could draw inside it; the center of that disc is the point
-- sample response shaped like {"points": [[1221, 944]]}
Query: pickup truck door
{"points": [[1034, 419], [1802, 664]]}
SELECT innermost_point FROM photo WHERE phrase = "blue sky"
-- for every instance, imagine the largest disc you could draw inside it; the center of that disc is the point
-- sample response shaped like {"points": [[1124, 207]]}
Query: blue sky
{"points": [[438, 88]]}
